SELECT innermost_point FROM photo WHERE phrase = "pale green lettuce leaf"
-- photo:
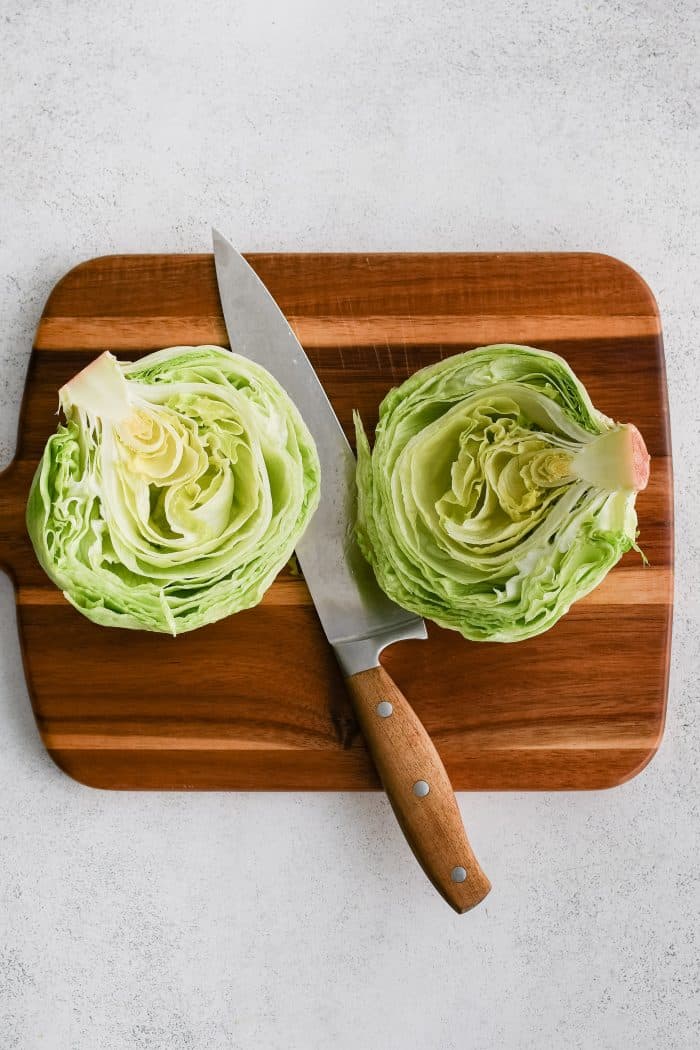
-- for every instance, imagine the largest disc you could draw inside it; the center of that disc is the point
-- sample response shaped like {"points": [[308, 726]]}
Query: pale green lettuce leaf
{"points": [[176, 490], [496, 494]]}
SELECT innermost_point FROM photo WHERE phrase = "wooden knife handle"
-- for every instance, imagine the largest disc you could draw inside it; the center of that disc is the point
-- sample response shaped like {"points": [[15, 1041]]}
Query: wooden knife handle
{"points": [[418, 788]]}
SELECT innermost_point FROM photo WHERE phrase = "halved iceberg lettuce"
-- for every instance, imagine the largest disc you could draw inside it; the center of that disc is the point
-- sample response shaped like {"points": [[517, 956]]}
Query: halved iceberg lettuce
{"points": [[175, 491], [496, 494]]}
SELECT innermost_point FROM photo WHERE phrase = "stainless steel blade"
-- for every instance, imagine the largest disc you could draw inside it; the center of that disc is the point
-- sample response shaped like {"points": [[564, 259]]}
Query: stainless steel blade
{"points": [[358, 618]]}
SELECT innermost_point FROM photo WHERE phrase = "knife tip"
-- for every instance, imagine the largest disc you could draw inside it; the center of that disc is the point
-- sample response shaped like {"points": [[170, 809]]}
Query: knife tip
{"points": [[222, 242]]}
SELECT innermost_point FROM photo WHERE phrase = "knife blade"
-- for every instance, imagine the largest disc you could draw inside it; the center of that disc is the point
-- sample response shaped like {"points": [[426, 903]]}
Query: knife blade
{"points": [[352, 608], [357, 617]]}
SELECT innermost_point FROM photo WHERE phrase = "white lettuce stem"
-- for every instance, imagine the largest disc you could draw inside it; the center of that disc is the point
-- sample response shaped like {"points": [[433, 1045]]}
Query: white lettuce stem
{"points": [[616, 460], [100, 391]]}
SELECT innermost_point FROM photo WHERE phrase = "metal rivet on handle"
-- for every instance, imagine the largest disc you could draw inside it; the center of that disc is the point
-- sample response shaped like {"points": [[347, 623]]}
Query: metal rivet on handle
{"points": [[458, 874], [421, 788], [384, 709]]}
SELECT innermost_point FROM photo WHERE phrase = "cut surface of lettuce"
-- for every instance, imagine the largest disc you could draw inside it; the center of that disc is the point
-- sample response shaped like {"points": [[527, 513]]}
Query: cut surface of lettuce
{"points": [[495, 494], [175, 491]]}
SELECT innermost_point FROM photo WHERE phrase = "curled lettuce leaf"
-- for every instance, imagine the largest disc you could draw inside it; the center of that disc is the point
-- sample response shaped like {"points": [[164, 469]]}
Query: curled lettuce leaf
{"points": [[175, 491], [496, 494]]}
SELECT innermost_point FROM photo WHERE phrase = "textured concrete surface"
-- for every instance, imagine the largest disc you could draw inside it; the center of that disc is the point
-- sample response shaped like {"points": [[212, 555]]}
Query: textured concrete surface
{"points": [[301, 923]]}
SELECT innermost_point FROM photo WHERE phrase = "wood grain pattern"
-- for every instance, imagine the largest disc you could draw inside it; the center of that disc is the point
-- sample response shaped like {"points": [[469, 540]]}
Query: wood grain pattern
{"points": [[580, 707]]}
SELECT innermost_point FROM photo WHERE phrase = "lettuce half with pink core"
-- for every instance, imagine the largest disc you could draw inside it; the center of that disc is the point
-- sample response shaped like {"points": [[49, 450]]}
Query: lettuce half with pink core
{"points": [[175, 491], [496, 494]]}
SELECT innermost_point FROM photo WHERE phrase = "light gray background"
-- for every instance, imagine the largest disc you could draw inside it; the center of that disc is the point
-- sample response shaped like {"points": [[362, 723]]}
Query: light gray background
{"points": [[275, 921]]}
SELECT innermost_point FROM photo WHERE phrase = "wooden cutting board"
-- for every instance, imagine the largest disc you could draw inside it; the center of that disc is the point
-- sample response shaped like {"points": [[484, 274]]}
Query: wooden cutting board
{"points": [[256, 701]]}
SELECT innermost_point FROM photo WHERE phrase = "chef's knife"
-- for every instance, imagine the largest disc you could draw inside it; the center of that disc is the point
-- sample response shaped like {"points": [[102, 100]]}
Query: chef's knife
{"points": [[357, 617]]}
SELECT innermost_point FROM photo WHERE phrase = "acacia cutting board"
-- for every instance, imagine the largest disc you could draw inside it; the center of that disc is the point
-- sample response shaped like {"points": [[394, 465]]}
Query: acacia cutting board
{"points": [[256, 701]]}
